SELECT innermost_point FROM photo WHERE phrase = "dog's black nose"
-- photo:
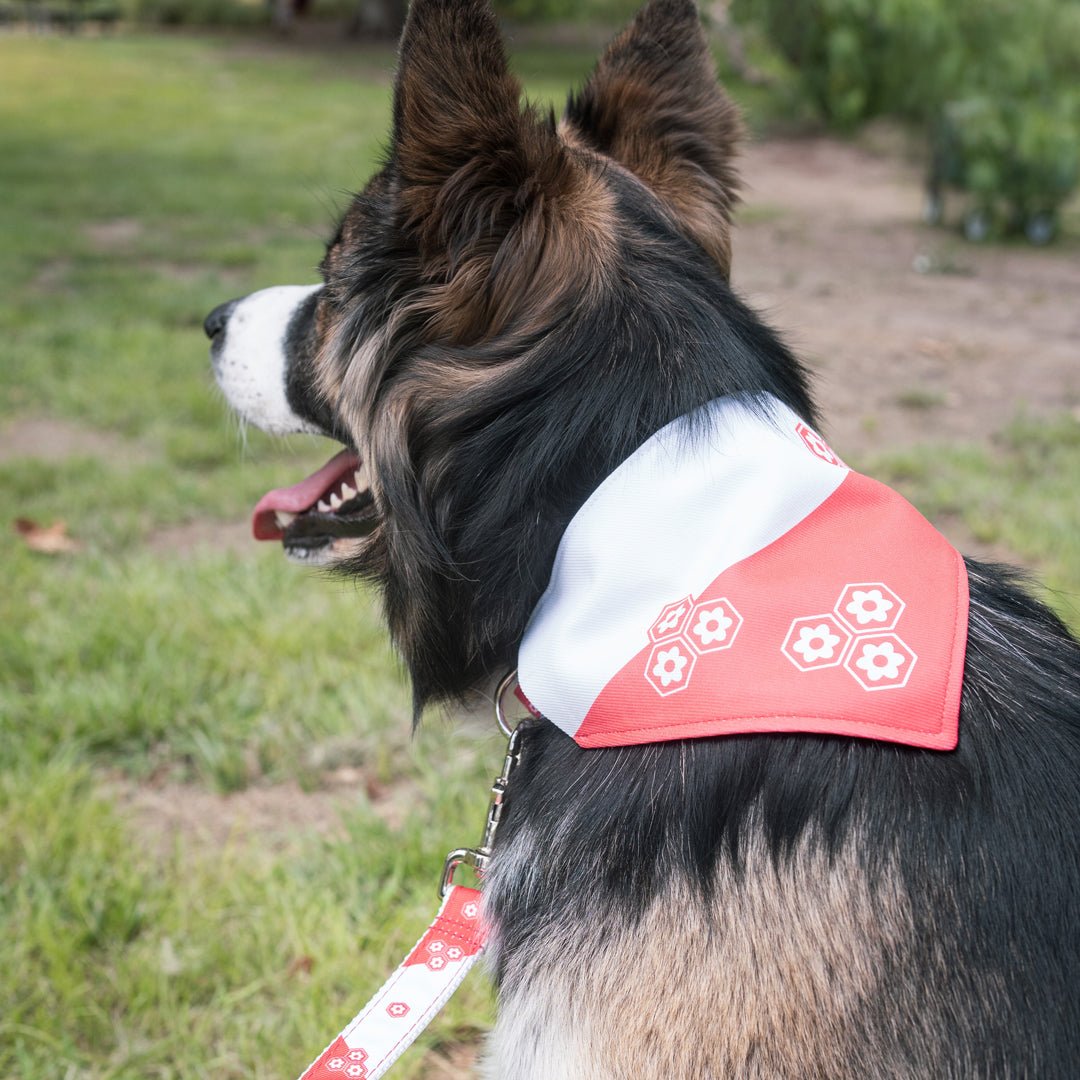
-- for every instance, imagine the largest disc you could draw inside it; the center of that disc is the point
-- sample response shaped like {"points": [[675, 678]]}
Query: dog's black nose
{"points": [[216, 320]]}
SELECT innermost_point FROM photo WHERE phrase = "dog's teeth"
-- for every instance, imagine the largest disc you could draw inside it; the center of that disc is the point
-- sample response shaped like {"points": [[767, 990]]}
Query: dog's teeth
{"points": [[361, 479], [323, 506], [335, 502], [283, 518], [347, 492]]}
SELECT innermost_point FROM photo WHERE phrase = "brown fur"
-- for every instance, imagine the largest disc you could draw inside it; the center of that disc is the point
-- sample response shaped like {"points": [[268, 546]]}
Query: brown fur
{"points": [[766, 968], [653, 104], [504, 213]]}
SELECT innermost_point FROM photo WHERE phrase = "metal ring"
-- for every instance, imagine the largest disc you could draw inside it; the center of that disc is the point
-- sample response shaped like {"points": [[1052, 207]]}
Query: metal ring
{"points": [[500, 715]]}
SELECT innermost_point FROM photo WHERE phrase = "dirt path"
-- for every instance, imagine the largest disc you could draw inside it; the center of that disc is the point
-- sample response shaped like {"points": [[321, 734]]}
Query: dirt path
{"points": [[827, 249]]}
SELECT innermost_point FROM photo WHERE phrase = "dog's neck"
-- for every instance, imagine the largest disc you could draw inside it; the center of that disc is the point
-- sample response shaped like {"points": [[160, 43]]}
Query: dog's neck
{"points": [[734, 575]]}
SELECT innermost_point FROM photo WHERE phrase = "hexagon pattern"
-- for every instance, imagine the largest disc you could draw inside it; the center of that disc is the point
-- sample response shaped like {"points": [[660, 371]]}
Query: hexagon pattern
{"points": [[857, 633], [670, 665], [684, 632], [816, 444], [671, 620], [350, 1064], [713, 625], [816, 641], [869, 606], [881, 661]]}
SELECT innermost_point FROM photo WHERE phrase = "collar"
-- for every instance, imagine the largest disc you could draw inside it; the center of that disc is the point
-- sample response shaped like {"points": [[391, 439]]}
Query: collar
{"points": [[733, 576]]}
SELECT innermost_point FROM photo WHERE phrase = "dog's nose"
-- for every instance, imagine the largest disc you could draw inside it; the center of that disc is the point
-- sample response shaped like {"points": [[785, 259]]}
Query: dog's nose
{"points": [[216, 320]]}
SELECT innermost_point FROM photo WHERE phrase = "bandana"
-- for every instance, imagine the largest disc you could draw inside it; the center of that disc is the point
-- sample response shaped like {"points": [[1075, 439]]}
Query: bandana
{"points": [[733, 575]]}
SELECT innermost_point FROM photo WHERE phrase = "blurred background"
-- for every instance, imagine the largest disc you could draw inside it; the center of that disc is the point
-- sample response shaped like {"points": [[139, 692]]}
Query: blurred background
{"points": [[217, 833]]}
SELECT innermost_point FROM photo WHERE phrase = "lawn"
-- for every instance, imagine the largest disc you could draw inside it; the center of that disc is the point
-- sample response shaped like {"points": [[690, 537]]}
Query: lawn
{"points": [[166, 670], [147, 179]]}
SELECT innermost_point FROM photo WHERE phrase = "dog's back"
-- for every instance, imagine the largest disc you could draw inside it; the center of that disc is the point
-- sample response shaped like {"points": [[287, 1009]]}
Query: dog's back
{"points": [[797, 906]]}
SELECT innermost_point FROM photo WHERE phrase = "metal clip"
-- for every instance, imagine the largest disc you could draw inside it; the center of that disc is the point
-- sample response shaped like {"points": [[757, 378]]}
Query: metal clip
{"points": [[479, 857]]}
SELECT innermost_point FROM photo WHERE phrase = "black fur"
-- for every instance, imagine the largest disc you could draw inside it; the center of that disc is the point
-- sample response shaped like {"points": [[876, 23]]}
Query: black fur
{"points": [[475, 506], [985, 837]]}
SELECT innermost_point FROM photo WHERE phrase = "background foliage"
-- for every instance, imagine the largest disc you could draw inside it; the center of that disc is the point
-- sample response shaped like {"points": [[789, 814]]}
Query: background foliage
{"points": [[994, 83]]}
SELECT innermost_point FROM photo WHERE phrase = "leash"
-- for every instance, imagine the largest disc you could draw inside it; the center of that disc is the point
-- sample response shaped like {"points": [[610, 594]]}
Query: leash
{"points": [[436, 966]]}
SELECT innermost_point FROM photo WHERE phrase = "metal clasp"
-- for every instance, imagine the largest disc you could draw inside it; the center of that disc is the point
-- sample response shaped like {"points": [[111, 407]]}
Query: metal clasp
{"points": [[479, 857]]}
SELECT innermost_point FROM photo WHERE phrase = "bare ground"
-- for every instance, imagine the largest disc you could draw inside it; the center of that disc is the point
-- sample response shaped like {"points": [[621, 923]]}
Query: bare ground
{"points": [[828, 248], [277, 818]]}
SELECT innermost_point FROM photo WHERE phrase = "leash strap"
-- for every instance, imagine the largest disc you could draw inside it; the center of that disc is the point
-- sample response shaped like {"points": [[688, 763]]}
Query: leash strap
{"points": [[424, 981]]}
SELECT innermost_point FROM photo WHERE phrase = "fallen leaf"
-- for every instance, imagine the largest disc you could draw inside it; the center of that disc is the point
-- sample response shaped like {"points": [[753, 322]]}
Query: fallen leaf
{"points": [[301, 965], [46, 539]]}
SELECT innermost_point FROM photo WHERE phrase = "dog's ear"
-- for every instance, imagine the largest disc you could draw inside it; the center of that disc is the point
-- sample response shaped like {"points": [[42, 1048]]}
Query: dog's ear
{"points": [[654, 105], [463, 145], [502, 211]]}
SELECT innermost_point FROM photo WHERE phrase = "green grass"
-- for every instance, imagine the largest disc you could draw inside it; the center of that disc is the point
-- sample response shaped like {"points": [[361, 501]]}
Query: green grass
{"points": [[145, 179]]}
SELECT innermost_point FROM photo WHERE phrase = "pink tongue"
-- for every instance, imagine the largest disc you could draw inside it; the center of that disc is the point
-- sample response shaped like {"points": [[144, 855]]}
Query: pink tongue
{"points": [[302, 496]]}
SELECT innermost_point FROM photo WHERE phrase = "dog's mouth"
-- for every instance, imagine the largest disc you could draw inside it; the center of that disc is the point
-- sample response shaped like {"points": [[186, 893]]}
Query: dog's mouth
{"points": [[316, 519]]}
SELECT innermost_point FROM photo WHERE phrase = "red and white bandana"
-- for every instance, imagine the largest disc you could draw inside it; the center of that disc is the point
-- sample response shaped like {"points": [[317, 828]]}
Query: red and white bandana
{"points": [[733, 575]]}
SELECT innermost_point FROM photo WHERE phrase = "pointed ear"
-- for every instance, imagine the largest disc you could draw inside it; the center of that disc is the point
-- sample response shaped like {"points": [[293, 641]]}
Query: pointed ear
{"points": [[653, 104], [463, 146]]}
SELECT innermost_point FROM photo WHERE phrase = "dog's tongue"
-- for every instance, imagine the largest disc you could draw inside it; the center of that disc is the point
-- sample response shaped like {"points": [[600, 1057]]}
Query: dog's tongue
{"points": [[300, 497]]}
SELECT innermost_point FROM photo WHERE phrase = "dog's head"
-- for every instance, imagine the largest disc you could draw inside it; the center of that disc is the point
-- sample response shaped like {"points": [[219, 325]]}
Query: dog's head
{"points": [[510, 307]]}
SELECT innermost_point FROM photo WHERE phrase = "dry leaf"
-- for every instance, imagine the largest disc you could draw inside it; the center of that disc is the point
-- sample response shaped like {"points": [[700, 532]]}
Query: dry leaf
{"points": [[47, 539], [301, 965]]}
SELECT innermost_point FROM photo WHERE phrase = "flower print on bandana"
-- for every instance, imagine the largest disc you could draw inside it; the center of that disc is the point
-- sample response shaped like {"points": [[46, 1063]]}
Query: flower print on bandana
{"points": [[869, 606], [881, 661], [712, 625], [816, 643], [669, 665]]}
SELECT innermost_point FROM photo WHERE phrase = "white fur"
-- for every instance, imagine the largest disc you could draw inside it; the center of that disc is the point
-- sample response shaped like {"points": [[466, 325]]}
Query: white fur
{"points": [[251, 364], [536, 1037]]}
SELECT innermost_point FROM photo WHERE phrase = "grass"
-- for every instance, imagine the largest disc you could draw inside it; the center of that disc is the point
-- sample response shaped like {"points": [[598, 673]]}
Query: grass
{"points": [[145, 179]]}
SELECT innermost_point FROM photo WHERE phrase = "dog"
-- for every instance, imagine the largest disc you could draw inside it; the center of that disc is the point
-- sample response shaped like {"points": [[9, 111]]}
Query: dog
{"points": [[510, 311]]}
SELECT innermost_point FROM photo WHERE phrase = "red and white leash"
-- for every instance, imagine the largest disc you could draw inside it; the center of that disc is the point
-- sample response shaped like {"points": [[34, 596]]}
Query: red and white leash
{"points": [[407, 1002], [426, 979]]}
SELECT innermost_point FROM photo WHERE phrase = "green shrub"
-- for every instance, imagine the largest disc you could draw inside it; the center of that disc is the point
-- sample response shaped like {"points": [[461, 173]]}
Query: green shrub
{"points": [[860, 58], [993, 81], [1018, 160]]}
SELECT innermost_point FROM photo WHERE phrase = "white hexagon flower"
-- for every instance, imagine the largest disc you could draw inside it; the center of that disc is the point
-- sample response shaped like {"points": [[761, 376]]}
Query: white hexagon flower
{"points": [[880, 661], [869, 606], [712, 625], [669, 665], [671, 620], [816, 642]]}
